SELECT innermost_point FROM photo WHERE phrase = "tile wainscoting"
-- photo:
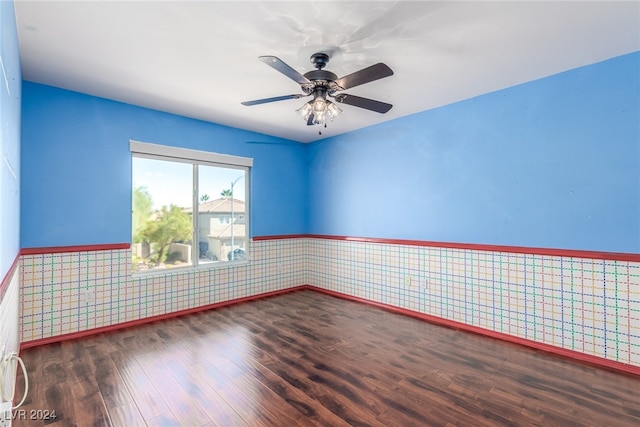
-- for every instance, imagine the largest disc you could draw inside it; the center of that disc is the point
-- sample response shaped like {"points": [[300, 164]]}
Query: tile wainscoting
{"points": [[9, 311]]}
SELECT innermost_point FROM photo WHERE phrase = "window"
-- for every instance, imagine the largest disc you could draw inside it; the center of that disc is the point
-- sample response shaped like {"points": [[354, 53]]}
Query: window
{"points": [[190, 208]]}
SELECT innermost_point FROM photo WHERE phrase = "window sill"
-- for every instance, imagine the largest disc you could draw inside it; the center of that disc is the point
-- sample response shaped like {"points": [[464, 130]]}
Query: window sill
{"points": [[189, 269]]}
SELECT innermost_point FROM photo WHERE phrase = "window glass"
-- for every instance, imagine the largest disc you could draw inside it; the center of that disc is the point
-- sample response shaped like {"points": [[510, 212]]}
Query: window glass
{"points": [[222, 232], [166, 233], [162, 228]]}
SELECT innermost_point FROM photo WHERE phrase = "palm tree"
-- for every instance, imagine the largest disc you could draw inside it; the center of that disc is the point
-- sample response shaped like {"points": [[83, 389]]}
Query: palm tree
{"points": [[226, 193], [204, 198]]}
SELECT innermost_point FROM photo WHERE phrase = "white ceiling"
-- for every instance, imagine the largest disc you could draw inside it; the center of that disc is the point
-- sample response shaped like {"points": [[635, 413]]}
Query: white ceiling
{"points": [[200, 59]]}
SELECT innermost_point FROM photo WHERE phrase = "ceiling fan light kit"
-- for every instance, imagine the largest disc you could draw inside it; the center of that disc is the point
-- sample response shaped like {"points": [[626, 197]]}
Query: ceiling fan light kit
{"points": [[321, 84], [317, 111]]}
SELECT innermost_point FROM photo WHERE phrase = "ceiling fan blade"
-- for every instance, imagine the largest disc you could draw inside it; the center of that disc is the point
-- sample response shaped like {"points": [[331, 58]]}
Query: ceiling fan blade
{"points": [[366, 103], [281, 66], [310, 119], [366, 75], [274, 99]]}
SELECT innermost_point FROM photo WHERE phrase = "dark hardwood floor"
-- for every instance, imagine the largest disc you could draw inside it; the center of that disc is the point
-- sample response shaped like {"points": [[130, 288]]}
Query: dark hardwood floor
{"points": [[305, 358]]}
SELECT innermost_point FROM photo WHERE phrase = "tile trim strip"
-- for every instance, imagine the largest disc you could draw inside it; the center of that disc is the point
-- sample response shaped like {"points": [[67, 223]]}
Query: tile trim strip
{"points": [[612, 256], [4, 284], [77, 248]]}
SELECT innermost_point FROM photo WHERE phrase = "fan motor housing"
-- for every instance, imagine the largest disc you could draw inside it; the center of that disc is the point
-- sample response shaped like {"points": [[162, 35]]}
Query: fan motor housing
{"points": [[320, 75]]}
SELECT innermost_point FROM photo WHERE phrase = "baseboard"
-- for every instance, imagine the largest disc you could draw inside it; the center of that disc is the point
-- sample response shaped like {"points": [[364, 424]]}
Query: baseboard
{"points": [[547, 348], [133, 323]]}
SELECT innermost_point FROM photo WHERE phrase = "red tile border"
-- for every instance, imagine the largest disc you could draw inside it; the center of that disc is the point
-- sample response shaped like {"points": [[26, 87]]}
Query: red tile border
{"points": [[78, 248], [573, 253], [4, 285]]}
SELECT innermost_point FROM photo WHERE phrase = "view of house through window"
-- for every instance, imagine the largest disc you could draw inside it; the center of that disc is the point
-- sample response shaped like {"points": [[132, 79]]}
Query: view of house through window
{"points": [[187, 214]]}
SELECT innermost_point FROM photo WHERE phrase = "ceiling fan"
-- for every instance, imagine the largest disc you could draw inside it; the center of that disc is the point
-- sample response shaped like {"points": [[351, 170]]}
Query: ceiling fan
{"points": [[321, 84]]}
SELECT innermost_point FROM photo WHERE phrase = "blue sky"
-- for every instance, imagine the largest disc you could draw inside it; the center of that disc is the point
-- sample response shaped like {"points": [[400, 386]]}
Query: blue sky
{"points": [[171, 182]]}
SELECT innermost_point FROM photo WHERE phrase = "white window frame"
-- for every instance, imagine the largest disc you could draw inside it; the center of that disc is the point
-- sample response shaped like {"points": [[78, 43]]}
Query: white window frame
{"points": [[182, 154], [196, 157]]}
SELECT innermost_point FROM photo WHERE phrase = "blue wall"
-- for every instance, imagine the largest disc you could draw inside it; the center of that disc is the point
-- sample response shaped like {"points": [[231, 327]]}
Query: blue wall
{"points": [[10, 100], [76, 167], [552, 163]]}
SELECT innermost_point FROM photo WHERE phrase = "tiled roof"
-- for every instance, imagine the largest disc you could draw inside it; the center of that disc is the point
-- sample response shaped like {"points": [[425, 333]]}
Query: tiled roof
{"points": [[222, 205]]}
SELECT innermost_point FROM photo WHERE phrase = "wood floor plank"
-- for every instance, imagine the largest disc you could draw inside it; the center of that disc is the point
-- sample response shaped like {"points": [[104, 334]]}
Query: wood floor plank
{"points": [[256, 366], [240, 400], [111, 386], [89, 406], [126, 415], [305, 358], [396, 413], [144, 394], [164, 420], [297, 375], [208, 398], [310, 408], [186, 410]]}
